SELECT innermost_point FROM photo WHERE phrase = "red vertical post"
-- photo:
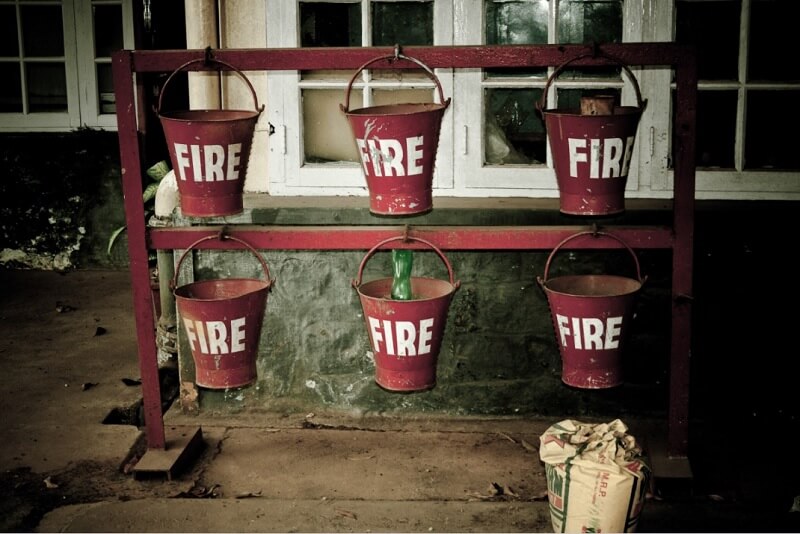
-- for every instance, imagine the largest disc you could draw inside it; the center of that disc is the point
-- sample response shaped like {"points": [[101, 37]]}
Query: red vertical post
{"points": [[682, 254], [131, 169]]}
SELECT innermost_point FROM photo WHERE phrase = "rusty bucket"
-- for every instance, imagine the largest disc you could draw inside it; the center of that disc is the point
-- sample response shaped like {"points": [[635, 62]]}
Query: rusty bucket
{"points": [[592, 148], [209, 150], [592, 316], [406, 335], [222, 321], [397, 145]]}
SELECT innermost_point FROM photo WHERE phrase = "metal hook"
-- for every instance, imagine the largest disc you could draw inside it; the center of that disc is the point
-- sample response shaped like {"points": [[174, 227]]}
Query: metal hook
{"points": [[406, 230], [223, 233], [397, 52], [595, 229], [209, 57]]}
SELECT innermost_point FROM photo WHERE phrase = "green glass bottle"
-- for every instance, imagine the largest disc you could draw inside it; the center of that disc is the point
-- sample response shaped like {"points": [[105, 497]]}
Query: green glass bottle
{"points": [[402, 261]]}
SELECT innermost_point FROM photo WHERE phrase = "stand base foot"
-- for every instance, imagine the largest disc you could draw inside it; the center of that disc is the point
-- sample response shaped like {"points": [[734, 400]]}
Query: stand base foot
{"points": [[181, 449]]}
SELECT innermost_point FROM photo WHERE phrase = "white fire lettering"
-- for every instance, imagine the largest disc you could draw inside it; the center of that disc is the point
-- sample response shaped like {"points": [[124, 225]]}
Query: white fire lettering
{"points": [[401, 338], [387, 157], [616, 156], [208, 163], [213, 336], [589, 333]]}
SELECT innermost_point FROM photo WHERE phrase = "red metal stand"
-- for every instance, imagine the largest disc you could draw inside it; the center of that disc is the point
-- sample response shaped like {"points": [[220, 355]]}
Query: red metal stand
{"points": [[131, 105]]}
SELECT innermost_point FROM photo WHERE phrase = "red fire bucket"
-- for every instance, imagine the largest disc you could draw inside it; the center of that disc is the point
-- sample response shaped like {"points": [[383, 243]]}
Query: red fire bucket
{"points": [[591, 315], [209, 150], [592, 152], [397, 144], [406, 335], [222, 321]]}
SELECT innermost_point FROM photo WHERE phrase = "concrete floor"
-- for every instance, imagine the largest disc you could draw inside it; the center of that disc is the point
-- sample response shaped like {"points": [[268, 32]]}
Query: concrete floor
{"points": [[67, 344]]}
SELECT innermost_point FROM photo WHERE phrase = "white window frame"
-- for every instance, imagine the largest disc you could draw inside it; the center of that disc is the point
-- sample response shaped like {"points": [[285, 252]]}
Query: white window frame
{"points": [[288, 175], [737, 183], [79, 63], [459, 166]]}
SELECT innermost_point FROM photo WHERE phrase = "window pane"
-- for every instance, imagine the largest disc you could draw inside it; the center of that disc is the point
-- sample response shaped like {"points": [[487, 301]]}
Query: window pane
{"points": [[589, 21], [713, 27], [47, 87], [105, 88], [520, 22], [766, 144], [517, 22], [10, 89], [42, 31], [326, 132], [402, 96], [571, 98], [9, 47], [772, 27], [513, 131], [323, 24], [405, 23], [716, 128], [107, 29]]}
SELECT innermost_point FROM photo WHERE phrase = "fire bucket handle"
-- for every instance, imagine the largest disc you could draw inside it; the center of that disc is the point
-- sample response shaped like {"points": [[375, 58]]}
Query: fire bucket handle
{"points": [[206, 60], [593, 234], [221, 237], [357, 281], [541, 105], [346, 106]]}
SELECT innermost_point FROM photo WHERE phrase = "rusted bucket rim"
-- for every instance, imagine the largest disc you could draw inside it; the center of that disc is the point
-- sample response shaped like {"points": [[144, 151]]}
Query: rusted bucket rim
{"points": [[406, 238], [206, 61], [543, 281], [222, 237], [542, 103], [397, 55]]}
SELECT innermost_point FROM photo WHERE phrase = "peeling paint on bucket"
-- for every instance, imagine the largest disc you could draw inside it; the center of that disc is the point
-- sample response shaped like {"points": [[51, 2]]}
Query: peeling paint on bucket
{"points": [[210, 150], [592, 316], [592, 151], [397, 145], [222, 322], [406, 335]]}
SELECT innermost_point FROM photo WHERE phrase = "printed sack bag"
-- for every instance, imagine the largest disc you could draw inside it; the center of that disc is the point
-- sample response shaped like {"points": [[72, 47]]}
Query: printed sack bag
{"points": [[597, 476]]}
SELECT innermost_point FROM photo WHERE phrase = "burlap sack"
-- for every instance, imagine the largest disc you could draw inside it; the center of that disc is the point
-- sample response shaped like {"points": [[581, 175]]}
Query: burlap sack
{"points": [[597, 477]]}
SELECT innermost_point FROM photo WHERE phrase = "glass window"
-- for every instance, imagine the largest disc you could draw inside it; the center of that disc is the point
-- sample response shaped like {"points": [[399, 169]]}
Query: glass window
{"points": [[47, 87], [42, 30], [744, 89], [9, 43], [589, 21], [11, 88], [493, 141], [105, 89], [716, 128], [516, 23], [520, 22], [773, 24], [404, 23], [321, 118], [713, 27], [514, 132], [768, 146], [107, 29], [55, 62], [340, 24], [329, 24]]}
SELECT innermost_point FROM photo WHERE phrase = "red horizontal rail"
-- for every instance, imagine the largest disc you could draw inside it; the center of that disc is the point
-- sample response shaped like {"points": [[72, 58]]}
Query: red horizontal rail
{"points": [[445, 237], [493, 56]]}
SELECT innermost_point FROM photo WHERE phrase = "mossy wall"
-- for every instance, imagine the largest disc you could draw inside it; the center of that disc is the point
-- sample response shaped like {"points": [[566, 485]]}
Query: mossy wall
{"points": [[60, 200]]}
